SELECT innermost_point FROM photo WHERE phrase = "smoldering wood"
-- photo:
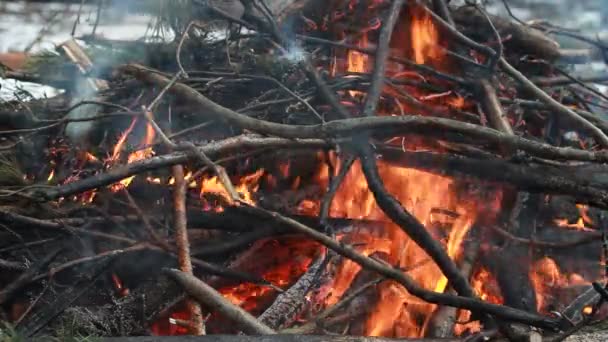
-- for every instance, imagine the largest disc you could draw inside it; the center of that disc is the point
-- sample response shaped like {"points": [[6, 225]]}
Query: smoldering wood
{"points": [[61, 302], [136, 312], [289, 304]]}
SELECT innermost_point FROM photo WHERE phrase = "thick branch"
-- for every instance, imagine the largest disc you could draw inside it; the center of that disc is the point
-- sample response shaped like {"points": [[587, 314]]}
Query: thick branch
{"points": [[492, 107]]}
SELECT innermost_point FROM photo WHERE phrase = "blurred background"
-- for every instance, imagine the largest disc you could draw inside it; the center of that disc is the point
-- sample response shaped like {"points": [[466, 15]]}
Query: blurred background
{"points": [[36, 26]]}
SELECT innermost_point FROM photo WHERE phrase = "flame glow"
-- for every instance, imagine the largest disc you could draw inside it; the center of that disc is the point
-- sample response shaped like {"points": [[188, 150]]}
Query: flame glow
{"points": [[425, 38]]}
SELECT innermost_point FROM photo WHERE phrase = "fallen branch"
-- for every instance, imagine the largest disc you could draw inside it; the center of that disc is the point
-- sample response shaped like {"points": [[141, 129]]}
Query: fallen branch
{"points": [[533, 178], [382, 53], [522, 38], [492, 108]]}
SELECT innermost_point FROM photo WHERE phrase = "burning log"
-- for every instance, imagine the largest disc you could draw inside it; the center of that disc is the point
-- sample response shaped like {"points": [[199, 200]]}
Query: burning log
{"points": [[408, 283]]}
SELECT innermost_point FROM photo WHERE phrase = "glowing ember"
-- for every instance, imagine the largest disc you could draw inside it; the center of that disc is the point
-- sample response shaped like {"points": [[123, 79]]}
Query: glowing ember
{"points": [[120, 289], [51, 175], [588, 310], [584, 222]]}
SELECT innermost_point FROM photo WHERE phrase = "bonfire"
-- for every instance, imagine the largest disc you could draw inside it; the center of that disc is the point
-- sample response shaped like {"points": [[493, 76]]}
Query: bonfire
{"points": [[344, 170]]}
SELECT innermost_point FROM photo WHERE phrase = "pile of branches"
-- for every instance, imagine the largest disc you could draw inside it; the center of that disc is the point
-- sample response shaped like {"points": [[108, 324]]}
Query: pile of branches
{"points": [[262, 93]]}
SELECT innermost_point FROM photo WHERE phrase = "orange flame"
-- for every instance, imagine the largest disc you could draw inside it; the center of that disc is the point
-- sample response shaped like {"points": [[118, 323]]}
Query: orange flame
{"points": [[419, 192], [546, 275], [144, 152], [425, 38], [247, 186], [582, 223], [122, 140]]}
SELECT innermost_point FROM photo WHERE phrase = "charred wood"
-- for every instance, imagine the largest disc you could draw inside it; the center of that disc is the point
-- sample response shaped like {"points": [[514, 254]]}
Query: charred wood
{"points": [[12, 265], [289, 304], [513, 275], [44, 316]]}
